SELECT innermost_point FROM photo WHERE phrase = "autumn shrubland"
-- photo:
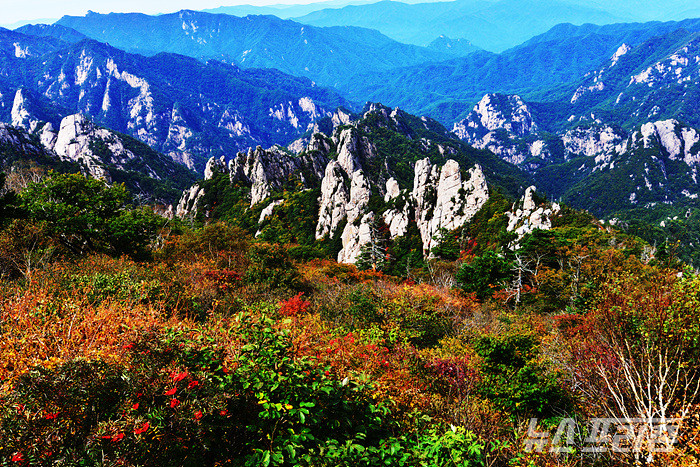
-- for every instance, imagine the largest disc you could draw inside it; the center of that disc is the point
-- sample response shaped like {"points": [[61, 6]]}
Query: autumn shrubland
{"points": [[202, 345]]}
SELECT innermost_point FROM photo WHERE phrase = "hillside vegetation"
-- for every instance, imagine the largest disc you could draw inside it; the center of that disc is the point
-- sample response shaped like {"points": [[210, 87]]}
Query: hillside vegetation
{"points": [[172, 344]]}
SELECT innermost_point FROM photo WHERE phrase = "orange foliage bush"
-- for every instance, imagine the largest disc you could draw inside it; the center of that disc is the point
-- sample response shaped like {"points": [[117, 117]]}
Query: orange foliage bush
{"points": [[38, 329]]}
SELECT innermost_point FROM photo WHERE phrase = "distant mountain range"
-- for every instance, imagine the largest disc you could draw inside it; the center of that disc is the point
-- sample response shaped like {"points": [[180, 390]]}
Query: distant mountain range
{"points": [[492, 25], [536, 69], [329, 56], [180, 106], [283, 11], [621, 140]]}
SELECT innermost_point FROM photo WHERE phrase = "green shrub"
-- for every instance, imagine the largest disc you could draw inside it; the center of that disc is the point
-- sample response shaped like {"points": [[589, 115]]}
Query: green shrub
{"points": [[270, 267], [514, 379], [484, 274]]}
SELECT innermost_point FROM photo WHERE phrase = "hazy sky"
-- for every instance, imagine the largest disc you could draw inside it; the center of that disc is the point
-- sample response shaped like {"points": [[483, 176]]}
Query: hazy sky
{"points": [[12, 11]]}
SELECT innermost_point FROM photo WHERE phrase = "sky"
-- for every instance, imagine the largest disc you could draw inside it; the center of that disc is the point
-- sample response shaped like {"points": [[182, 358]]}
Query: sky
{"points": [[13, 11]]}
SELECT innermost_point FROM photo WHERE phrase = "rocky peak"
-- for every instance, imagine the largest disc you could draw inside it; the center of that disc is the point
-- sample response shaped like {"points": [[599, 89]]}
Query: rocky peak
{"points": [[267, 170], [340, 117], [20, 114], [444, 199], [677, 141], [527, 216], [80, 140], [494, 112], [622, 50], [496, 123]]}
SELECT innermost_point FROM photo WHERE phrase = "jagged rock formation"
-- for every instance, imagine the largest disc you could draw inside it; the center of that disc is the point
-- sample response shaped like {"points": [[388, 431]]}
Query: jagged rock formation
{"points": [[96, 152], [495, 112], [593, 141], [268, 170], [526, 216], [443, 200], [20, 114], [79, 140], [188, 201], [349, 170]]}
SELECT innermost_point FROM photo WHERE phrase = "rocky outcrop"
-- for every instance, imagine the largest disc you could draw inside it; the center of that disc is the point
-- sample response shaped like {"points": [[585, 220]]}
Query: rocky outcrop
{"points": [[354, 237], [345, 190], [188, 202], [20, 115], [593, 141], [334, 199], [679, 142], [444, 199], [348, 168], [345, 193], [79, 140], [75, 142], [526, 216], [596, 83], [267, 212], [269, 170], [495, 112], [496, 123], [98, 153]]}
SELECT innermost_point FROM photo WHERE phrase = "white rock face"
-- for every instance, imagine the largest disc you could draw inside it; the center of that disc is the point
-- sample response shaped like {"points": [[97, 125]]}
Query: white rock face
{"points": [[392, 189], [622, 50], [456, 200], [596, 83], [73, 141], [267, 212], [507, 112], [340, 117], [424, 194], [678, 141], [214, 166], [583, 90], [20, 115], [593, 141], [355, 237], [526, 217], [47, 136], [266, 170], [234, 123], [339, 202], [397, 221], [21, 52], [188, 201], [499, 112], [334, 199]]}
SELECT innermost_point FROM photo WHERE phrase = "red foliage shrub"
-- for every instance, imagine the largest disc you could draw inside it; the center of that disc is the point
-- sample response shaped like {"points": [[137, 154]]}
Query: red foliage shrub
{"points": [[224, 279], [294, 306], [456, 376]]}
